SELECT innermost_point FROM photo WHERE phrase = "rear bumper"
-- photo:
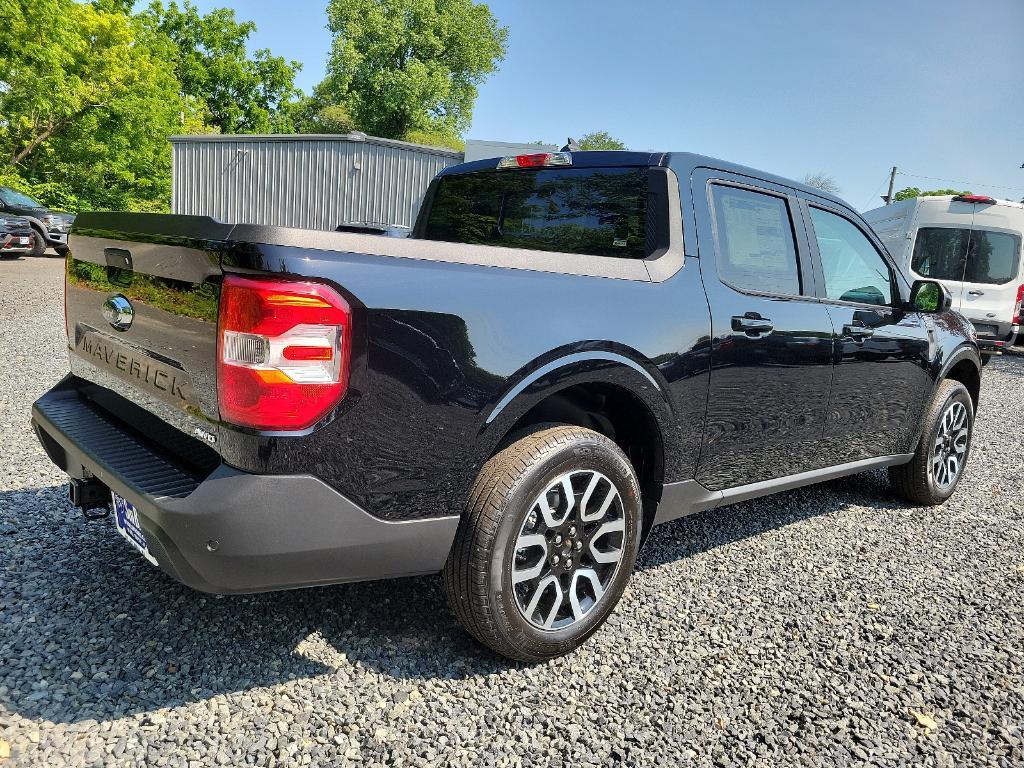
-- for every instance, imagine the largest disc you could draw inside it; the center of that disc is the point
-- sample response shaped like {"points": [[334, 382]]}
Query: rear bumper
{"points": [[231, 531], [995, 343]]}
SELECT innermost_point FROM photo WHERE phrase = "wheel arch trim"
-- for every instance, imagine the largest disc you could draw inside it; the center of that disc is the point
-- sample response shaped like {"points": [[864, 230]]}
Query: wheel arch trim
{"points": [[575, 358], [963, 352], [960, 354]]}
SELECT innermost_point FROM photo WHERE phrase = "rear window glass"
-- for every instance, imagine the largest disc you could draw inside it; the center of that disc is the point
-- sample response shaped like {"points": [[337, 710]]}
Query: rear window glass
{"points": [[597, 211], [978, 256], [756, 250]]}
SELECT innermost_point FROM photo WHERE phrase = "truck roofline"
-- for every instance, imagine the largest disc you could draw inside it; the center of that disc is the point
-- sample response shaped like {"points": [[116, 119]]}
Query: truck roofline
{"points": [[586, 159], [682, 162]]}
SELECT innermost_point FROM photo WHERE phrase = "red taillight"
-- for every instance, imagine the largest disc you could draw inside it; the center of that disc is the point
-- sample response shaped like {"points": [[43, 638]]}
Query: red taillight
{"points": [[540, 160], [282, 354], [1018, 308], [983, 199], [307, 353]]}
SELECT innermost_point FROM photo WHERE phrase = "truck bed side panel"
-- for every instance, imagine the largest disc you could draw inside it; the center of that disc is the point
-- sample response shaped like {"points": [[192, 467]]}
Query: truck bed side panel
{"points": [[445, 342]]}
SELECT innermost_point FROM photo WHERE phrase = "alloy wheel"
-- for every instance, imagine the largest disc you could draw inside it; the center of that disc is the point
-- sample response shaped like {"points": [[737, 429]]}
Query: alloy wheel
{"points": [[950, 447], [568, 549]]}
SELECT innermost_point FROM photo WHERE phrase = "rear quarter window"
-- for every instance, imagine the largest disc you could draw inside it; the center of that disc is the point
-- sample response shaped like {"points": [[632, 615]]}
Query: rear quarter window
{"points": [[596, 211]]}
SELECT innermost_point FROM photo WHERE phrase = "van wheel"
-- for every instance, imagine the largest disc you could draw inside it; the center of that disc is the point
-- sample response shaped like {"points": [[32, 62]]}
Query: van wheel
{"points": [[938, 464], [548, 541]]}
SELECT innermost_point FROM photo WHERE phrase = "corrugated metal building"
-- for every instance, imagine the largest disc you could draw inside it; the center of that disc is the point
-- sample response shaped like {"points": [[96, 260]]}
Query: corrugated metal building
{"points": [[312, 182]]}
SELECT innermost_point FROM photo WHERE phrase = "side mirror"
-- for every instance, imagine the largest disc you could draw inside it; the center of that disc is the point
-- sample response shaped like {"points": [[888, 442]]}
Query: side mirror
{"points": [[930, 296]]}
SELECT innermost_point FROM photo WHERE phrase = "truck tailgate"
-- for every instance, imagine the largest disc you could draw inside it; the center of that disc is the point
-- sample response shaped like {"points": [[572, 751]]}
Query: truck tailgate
{"points": [[142, 298]]}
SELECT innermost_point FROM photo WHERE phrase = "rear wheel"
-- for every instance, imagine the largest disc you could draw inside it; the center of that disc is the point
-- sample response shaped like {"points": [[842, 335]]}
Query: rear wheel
{"points": [[932, 475], [547, 544]]}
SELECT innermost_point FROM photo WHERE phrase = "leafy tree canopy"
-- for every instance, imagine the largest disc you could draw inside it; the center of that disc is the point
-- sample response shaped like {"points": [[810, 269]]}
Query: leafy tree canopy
{"points": [[405, 66], [241, 93], [599, 140], [312, 116], [90, 94], [911, 192], [86, 104]]}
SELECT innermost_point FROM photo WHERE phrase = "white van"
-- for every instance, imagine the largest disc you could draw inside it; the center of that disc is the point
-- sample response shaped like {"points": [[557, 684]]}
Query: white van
{"points": [[971, 244]]}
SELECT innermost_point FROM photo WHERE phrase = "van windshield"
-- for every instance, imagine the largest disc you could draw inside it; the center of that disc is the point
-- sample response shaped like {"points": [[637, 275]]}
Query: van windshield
{"points": [[597, 211], [978, 256]]}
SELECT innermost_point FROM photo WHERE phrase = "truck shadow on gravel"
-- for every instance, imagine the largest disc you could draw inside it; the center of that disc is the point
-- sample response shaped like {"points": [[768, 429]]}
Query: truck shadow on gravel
{"points": [[90, 632]]}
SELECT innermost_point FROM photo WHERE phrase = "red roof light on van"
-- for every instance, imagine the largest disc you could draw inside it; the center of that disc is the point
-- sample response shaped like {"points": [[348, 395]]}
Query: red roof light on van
{"points": [[982, 199], [539, 160]]}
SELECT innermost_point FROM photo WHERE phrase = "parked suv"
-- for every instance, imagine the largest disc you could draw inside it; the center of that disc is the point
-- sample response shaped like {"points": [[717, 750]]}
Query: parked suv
{"points": [[969, 243], [50, 228], [572, 348], [16, 236]]}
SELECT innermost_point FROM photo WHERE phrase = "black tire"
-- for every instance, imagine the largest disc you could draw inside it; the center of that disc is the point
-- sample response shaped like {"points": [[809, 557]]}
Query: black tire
{"points": [[38, 243], [62, 251], [502, 507], [917, 480]]}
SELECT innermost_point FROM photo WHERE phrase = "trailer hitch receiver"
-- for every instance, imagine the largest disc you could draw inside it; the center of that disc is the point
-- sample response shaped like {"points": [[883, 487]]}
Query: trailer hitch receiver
{"points": [[92, 496]]}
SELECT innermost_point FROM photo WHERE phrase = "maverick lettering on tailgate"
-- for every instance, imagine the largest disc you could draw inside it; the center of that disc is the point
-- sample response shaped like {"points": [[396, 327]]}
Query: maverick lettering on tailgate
{"points": [[171, 382]]}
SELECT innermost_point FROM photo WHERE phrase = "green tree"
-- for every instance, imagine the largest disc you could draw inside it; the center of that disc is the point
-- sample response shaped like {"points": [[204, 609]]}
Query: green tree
{"points": [[312, 116], [911, 192], [241, 93], [86, 104], [436, 139], [599, 140], [404, 66]]}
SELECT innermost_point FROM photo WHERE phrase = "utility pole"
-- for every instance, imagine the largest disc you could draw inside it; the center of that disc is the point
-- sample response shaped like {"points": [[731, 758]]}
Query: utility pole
{"points": [[892, 184]]}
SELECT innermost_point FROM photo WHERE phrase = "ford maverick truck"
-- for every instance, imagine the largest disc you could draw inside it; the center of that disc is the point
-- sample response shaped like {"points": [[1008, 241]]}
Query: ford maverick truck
{"points": [[570, 349]]}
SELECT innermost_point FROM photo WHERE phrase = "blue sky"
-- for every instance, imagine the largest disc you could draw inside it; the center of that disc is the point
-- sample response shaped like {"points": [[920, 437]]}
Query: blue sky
{"points": [[935, 87]]}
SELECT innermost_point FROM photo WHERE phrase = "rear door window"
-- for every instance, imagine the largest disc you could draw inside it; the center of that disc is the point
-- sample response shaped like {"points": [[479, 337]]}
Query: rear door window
{"points": [[756, 248], [596, 211], [978, 256]]}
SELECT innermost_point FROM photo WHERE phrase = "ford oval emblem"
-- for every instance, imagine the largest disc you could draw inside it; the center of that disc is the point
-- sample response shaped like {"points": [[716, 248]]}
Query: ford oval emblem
{"points": [[119, 312]]}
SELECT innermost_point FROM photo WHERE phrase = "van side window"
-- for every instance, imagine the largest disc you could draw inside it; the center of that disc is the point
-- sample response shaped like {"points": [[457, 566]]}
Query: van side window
{"points": [[853, 268], [756, 247], [978, 256]]}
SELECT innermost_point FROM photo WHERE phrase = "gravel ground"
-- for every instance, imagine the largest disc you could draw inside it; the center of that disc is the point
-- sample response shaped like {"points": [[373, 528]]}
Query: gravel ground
{"points": [[825, 626]]}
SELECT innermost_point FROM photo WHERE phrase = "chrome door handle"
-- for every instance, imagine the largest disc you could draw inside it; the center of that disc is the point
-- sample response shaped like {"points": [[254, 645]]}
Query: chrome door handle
{"points": [[975, 293], [752, 324], [858, 332]]}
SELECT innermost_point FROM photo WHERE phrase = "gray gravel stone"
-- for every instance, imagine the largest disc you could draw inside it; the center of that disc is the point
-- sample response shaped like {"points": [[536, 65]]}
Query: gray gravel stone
{"points": [[826, 626]]}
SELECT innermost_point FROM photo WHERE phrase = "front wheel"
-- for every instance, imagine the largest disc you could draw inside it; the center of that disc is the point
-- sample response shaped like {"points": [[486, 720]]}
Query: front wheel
{"points": [[38, 243], [547, 544], [938, 464]]}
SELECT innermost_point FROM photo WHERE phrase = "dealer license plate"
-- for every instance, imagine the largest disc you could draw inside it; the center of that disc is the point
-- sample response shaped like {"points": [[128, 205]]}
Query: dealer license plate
{"points": [[126, 518]]}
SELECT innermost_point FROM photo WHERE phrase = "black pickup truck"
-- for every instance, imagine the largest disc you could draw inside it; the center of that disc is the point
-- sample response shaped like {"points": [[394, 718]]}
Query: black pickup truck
{"points": [[570, 349]]}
